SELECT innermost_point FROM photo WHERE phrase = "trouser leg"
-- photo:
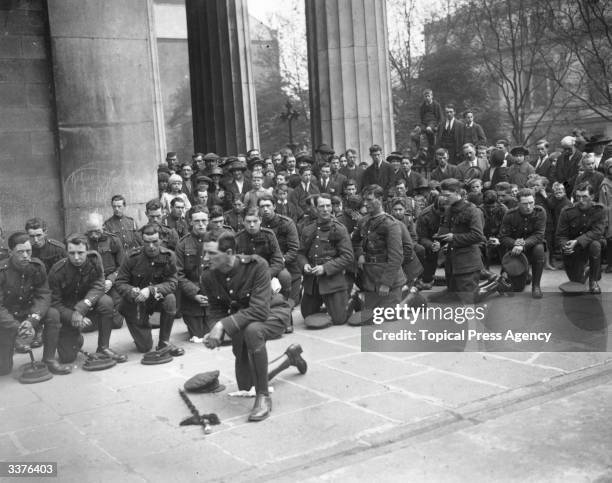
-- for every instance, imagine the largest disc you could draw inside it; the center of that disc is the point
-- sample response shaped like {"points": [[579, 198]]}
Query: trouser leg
{"points": [[166, 319], [137, 321], [195, 325], [69, 342], [51, 331], [103, 312], [336, 306], [430, 264], [311, 303], [117, 317], [595, 261], [7, 349], [296, 287]]}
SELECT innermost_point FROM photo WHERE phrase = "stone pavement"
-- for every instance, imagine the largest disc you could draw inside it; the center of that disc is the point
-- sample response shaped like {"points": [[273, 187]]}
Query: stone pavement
{"points": [[122, 424]]}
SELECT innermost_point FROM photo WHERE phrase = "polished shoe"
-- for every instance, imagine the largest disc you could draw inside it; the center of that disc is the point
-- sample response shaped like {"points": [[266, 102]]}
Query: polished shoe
{"points": [[536, 292], [261, 409], [594, 287], [174, 350], [56, 368], [112, 354], [37, 341]]}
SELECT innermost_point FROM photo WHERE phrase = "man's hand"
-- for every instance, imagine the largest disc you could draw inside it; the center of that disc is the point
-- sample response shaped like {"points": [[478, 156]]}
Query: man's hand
{"points": [[493, 241], [202, 300], [86, 322], [361, 261], [446, 238], [143, 295], [307, 268], [569, 247], [77, 319], [107, 285], [25, 330], [214, 337], [517, 250], [383, 290], [318, 270]]}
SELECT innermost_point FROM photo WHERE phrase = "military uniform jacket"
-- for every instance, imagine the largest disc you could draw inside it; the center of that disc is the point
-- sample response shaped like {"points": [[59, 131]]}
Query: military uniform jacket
{"points": [[179, 225], [428, 224], [110, 249], [585, 226], [325, 243], [288, 240], [71, 286], [23, 292], [140, 271], [493, 216], [190, 265], [124, 228], [379, 240], [240, 297], [168, 236], [51, 253], [529, 227], [263, 244], [235, 220], [464, 221]]}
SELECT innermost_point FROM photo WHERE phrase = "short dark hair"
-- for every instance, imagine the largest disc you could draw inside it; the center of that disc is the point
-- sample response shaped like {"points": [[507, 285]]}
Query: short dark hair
{"points": [[325, 196], [226, 242], [77, 239], [305, 168], [584, 186], [118, 198], [153, 205], [17, 238], [350, 151], [374, 148], [375, 190], [252, 212], [449, 105], [451, 184], [524, 192], [150, 229], [216, 211], [198, 209], [35, 224], [266, 197], [176, 200]]}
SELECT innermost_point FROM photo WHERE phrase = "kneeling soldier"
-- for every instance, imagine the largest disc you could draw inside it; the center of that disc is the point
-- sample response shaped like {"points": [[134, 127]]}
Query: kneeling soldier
{"points": [[25, 304], [147, 281], [522, 232], [77, 292]]}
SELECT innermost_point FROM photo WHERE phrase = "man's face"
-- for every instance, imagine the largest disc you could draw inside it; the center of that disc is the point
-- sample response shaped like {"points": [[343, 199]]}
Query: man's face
{"points": [[277, 159], [162, 186], [186, 172], [151, 245], [22, 254], [305, 176], [216, 223], [526, 205], [343, 161], [257, 181], [335, 165], [268, 163], [38, 237], [401, 189], [501, 146], [542, 150], [351, 159], [583, 199], [481, 153], [449, 112], [469, 117], [428, 97], [199, 222], [476, 187], [514, 191], [237, 174], [282, 195], [252, 224], [155, 216], [398, 211], [254, 154], [559, 191], [280, 179], [447, 197], [266, 208], [118, 208], [376, 156], [94, 234], [238, 205], [373, 204], [219, 261], [325, 172], [172, 162], [350, 190], [407, 164], [290, 163], [77, 254], [469, 153], [202, 198], [178, 210], [442, 158], [199, 161], [337, 207], [324, 209]]}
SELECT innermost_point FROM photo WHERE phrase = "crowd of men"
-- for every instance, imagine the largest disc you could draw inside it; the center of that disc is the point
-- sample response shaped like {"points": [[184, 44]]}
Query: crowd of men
{"points": [[233, 244]]}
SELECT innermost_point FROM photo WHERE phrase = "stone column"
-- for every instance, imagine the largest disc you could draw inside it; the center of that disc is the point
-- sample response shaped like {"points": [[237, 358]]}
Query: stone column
{"points": [[222, 88], [108, 103], [350, 88]]}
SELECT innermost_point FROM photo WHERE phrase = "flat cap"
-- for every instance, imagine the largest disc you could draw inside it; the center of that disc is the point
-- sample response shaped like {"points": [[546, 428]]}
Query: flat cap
{"points": [[325, 149], [210, 156], [394, 156], [518, 150], [204, 382], [203, 179], [237, 165]]}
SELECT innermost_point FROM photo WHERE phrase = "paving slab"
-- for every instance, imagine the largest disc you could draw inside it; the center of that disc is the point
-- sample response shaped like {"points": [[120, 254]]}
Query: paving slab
{"points": [[373, 366]]}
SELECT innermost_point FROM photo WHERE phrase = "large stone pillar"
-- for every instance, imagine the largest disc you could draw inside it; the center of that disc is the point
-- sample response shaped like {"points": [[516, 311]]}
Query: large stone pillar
{"points": [[350, 88], [222, 88], [109, 111]]}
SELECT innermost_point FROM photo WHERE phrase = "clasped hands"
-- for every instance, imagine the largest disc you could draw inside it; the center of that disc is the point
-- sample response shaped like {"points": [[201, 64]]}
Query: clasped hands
{"points": [[214, 338], [316, 270]]}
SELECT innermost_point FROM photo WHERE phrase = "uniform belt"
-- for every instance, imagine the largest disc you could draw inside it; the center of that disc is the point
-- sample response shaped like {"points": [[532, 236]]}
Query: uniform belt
{"points": [[376, 259], [320, 260]]}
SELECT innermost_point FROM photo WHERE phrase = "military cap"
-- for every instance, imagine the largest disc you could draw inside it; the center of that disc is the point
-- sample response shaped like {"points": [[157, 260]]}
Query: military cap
{"points": [[434, 184], [394, 155], [34, 372], [216, 171], [203, 179], [170, 154], [237, 165], [318, 321], [211, 157], [325, 149], [518, 150], [160, 356], [515, 265], [98, 362], [175, 177], [204, 382]]}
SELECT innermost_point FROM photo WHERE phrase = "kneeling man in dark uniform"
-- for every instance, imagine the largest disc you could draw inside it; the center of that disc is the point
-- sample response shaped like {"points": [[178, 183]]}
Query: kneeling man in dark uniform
{"points": [[240, 302]]}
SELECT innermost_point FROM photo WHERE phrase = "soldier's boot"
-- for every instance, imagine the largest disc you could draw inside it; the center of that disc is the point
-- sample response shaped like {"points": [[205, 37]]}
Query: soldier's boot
{"points": [[354, 305], [38, 338], [536, 291], [262, 408], [165, 329], [50, 336], [292, 357], [594, 275]]}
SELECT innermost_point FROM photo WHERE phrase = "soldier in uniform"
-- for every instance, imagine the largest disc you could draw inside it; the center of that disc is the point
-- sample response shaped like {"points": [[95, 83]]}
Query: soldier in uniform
{"points": [[121, 225], [47, 250], [235, 216], [377, 242], [176, 218], [325, 254], [241, 304], [287, 236], [25, 304], [522, 232], [168, 236], [428, 225], [579, 233], [414, 252], [461, 232], [77, 292], [147, 281], [191, 265], [216, 224], [110, 250]]}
